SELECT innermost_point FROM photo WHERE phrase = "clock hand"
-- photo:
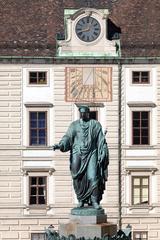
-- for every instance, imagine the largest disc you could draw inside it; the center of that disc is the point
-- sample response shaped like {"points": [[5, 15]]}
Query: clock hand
{"points": [[85, 30]]}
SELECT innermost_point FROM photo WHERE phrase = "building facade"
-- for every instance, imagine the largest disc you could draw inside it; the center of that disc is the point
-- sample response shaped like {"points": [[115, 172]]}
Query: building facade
{"points": [[55, 56]]}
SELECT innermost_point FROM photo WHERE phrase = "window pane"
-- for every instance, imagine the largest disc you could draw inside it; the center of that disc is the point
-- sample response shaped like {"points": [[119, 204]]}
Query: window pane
{"points": [[136, 181], [33, 180], [136, 132], [145, 181], [140, 236], [33, 115], [136, 115], [144, 235], [136, 77], [136, 140], [41, 180], [41, 200], [42, 77], [41, 191], [144, 115], [144, 132], [33, 133], [41, 115], [136, 123], [33, 191], [144, 123], [136, 200], [33, 77], [145, 140], [137, 192], [32, 200], [42, 133], [145, 77], [33, 141], [37, 236], [42, 141], [41, 123], [33, 124]]}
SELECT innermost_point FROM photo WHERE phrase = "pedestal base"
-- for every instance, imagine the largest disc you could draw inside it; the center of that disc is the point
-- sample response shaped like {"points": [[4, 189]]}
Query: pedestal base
{"points": [[87, 223], [87, 230]]}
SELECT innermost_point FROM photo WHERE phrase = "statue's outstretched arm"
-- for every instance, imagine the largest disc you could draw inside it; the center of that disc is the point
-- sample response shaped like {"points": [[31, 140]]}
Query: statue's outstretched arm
{"points": [[55, 147]]}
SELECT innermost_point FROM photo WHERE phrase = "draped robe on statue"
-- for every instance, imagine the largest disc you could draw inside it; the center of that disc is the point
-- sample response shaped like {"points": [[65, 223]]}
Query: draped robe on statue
{"points": [[88, 158]]}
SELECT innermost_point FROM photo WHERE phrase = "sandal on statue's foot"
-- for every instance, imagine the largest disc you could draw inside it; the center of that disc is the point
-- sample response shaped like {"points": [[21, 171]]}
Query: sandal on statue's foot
{"points": [[96, 205], [80, 204]]}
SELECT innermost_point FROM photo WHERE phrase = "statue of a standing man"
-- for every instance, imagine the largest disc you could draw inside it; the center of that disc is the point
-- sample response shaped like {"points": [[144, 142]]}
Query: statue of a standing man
{"points": [[89, 158]]}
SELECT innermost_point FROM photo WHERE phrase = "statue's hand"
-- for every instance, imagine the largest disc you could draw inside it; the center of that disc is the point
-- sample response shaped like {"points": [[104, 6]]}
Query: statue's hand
{"points": [[56, 146]]}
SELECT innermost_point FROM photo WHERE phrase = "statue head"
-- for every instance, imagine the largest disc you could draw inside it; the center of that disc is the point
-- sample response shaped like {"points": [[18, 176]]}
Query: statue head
{"points": [[84, 112]]}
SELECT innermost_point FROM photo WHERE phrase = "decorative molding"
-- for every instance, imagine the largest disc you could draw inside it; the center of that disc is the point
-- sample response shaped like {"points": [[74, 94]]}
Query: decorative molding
{"points": [[149, 207], [141, 104], [26, 170], [128, 170], [90, 104], [38, 104]]}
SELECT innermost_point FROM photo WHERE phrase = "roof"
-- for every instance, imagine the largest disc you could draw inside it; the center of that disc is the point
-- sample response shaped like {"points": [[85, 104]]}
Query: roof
{"points": [[29, 28]]}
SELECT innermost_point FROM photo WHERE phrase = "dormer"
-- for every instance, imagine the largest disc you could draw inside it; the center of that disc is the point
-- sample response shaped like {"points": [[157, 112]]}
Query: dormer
{"points": [[86, 34]]}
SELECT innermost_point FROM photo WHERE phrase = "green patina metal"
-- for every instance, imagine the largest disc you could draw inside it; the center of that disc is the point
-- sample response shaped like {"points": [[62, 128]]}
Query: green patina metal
{"points": [[89, 158], [87, 211], [123, 235], [90, 54]]}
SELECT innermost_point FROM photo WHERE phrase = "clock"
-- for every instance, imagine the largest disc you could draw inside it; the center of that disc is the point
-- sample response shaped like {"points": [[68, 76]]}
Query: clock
{"points": [[88, 84], [88, 29]]}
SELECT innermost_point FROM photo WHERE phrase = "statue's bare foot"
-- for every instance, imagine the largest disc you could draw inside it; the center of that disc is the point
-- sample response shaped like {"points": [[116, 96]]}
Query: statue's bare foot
{"points": [[80, 204]]}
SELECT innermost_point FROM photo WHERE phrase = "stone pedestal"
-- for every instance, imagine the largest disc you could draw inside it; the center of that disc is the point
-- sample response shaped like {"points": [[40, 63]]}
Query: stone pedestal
{"points": [[88, 223]]}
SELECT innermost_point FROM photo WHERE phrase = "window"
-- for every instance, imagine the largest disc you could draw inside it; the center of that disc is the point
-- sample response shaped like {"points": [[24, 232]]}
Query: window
{"points": [[93, 115], [140, 236], [140, 77], [38, 236], [37, 190], [38, 128], [37, 77], [140, 190], [140, 127]]}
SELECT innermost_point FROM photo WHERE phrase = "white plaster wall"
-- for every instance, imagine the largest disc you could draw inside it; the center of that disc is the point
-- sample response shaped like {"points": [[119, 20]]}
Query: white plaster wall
{"points": [[38, 94], [141, 93]]}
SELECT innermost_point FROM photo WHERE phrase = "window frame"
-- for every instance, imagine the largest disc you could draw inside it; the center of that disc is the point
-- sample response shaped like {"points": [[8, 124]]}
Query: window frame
{"points": [[141, 177], [140, 77], [140, 232], [37, 73], [46, 128], [140, 128], [43, 234], [37, 186]]}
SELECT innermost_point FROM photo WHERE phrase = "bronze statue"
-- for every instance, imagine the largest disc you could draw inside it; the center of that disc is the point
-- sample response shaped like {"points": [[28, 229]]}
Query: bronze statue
{"points": [[89, 158]]}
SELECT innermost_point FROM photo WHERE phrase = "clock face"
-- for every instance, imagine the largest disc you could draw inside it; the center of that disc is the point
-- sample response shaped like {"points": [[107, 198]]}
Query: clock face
{"points": [[88, 29], [88, 84]]}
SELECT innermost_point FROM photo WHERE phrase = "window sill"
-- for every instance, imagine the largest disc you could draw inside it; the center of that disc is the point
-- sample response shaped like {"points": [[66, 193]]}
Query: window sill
{"points": [[42, 147], [37, 207], [149, 207], [140, 147]]}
